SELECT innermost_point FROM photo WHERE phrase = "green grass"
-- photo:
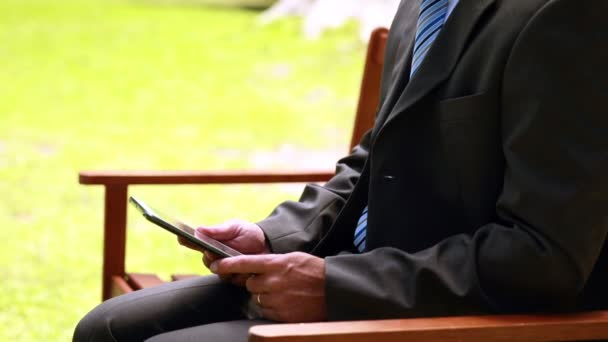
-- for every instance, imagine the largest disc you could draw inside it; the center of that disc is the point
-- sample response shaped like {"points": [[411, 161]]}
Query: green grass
{"points": [[109, 84]]}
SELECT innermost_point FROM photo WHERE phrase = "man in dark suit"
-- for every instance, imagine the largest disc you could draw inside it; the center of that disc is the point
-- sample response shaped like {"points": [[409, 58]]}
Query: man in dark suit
{"points": [[482, 188]]}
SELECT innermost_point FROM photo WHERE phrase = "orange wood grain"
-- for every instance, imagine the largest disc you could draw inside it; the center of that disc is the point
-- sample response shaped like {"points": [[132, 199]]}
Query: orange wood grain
{"points": [[119, 286], [369, 95], [507, 328], [202, 177], [115, 236], [140, 281], [177, 277]]}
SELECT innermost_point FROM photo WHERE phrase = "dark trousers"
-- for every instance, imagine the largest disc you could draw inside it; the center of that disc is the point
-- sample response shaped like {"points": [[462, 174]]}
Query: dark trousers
{"points": [[199, 309]]}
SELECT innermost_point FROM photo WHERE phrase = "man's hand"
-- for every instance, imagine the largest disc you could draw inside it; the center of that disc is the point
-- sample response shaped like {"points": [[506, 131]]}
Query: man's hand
{"points": [[287, 287], [245, 237]]}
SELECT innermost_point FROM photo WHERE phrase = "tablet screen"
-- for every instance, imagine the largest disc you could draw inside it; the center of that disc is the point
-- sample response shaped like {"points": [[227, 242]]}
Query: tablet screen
{"points": [[190, 231], [175, 225]]}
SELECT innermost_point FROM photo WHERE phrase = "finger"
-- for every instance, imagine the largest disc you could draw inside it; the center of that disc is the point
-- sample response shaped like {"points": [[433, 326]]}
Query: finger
{"points": [[248, 264], [209, 257], [239, 279], [257, 284], [254, 284], [223, 231], [182, 241], [264, 300], [271, 314]]}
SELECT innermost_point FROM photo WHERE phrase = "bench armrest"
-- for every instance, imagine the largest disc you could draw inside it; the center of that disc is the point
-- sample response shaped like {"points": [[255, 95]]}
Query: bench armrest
{"points": [[116, 185], [202, 177]]}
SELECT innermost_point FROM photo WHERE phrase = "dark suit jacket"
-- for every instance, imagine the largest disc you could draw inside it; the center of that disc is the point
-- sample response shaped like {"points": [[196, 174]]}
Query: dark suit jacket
{"points": [[486, 174]]}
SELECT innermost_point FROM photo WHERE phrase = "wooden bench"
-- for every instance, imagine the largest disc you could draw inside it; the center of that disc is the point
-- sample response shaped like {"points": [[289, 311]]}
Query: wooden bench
{"points": [[572, 327], [116, 183]]}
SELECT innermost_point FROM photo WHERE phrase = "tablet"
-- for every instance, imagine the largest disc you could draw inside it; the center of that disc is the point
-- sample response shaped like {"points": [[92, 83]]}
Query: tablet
{"points": [[181, 229]]}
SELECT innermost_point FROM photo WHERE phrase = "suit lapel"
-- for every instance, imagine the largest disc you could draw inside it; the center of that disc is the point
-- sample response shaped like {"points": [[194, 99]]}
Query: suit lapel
{"points": [[440, 60], [404, 30]]}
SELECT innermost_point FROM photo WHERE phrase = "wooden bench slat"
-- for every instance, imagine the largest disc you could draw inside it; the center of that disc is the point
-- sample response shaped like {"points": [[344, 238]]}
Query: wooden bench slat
{"points": [[177, 277], [119, 286], [143, 280]]}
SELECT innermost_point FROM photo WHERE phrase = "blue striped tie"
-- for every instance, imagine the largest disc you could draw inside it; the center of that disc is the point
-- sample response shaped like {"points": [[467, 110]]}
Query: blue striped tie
{"points": [[433, 14], [361, 231]]}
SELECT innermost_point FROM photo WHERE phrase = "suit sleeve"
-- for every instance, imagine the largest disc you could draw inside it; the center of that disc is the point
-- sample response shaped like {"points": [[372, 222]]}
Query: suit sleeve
{"points": [[553, 209], [299, 226]]}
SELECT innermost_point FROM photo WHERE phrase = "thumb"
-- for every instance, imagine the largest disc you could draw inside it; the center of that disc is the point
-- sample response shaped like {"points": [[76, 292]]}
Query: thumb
{"points": [[224, 231]]}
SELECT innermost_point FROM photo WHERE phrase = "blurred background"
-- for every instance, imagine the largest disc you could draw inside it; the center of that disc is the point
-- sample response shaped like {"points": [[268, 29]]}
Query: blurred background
{"points": [[148, 84]]}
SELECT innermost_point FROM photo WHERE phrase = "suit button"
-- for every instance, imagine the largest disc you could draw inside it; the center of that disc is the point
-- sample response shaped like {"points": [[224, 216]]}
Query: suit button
{"points": [[389, 178]]}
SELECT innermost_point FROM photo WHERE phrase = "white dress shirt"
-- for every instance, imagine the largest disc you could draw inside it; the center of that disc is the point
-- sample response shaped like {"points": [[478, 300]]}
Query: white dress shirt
{"points": [[451, 5]]}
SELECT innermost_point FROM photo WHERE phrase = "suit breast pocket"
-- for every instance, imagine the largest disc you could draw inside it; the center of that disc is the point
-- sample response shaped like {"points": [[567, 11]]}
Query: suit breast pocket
{"points": [[470, 107], [471, 140]]}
